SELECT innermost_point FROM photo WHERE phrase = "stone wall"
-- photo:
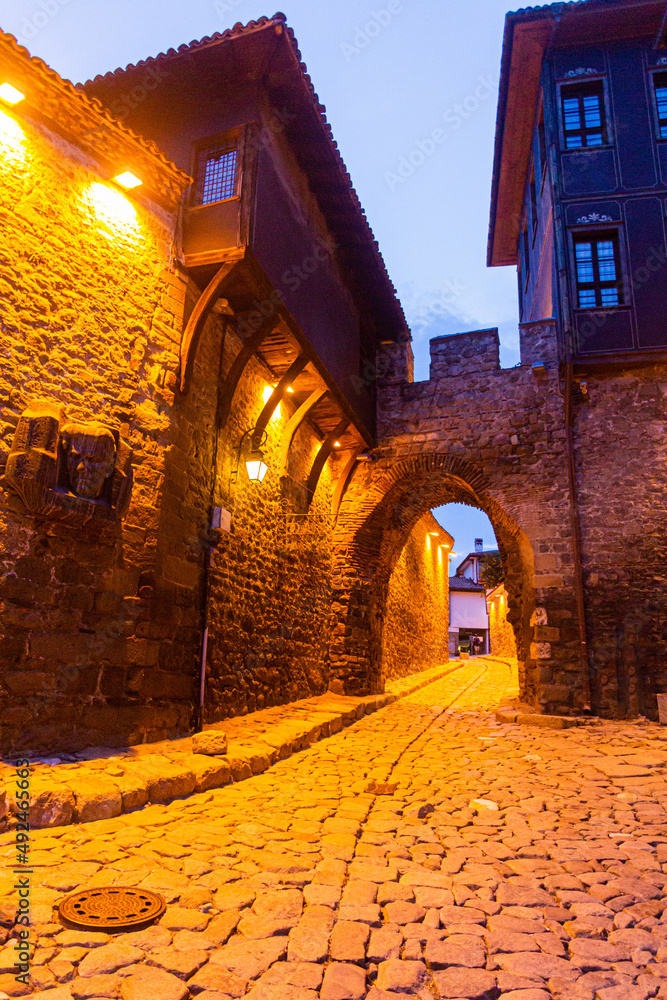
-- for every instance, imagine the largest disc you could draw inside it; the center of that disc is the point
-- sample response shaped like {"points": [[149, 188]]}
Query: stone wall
{"points": [[415, 633], [501, 633], [621, 450], [270, 581], [100, 625], [492, 438]]}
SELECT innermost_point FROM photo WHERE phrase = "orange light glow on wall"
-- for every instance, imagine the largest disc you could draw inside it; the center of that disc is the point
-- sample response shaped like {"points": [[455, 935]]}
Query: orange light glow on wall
{"points": [[428, 542], [9, 94], [12, 141], [266, 396], [127, 180], [112, 209], [439, 554]]}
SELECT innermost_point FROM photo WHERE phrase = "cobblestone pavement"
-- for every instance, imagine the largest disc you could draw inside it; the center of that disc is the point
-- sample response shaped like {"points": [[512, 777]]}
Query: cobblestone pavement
{"points": [[487, 859]]}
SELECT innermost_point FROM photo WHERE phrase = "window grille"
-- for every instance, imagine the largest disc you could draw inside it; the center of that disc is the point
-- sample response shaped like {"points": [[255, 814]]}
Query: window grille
{"points": [[583, 116], [598, 270], [216, 174], [660, 84]]}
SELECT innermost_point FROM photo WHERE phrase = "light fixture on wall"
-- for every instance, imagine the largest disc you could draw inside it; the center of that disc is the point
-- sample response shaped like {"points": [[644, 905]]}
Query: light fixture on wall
{"points": [[127, 180], [9, 94], [256, 467]]}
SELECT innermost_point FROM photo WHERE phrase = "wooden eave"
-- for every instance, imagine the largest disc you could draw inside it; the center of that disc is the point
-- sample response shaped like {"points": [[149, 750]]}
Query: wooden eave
{"points": [[55, 103], [265, 52]]}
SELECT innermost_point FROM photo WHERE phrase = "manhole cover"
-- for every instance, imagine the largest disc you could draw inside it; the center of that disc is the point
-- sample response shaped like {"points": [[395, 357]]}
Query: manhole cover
{"points": [[115, 908]]}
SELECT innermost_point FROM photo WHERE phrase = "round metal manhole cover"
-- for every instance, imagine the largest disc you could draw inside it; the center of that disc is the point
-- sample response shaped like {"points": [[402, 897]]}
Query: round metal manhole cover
{"points": [[113, 908]]}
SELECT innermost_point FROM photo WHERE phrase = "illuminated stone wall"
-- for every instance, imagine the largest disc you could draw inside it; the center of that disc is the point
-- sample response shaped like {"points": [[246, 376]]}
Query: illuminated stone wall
{"points": [[100, 625], [415, 634], [501, 632]]}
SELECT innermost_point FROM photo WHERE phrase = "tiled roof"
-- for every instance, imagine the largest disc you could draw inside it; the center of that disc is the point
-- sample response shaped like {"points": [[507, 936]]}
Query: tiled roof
{"points": [[278, 21], [85, 120], [463, 583]]}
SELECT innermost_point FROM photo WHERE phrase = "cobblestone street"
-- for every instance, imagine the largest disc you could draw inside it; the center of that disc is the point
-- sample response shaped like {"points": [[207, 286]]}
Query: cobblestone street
{"points": [[427, 849]]}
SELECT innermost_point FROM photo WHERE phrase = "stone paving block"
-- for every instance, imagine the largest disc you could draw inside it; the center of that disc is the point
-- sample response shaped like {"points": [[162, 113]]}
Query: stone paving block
{"points": [[151, 984], [474, 984], [343, 982], [348, 941], [217, 978], [249, 959], [401, 976]]}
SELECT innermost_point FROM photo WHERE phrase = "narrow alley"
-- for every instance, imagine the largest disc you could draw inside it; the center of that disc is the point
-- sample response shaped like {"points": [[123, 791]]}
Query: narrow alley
{"points": [[428, 849]]}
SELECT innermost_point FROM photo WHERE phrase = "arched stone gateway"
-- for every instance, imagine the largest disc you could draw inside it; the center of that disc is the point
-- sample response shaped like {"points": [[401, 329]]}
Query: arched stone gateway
{"points": [[479, 435]]}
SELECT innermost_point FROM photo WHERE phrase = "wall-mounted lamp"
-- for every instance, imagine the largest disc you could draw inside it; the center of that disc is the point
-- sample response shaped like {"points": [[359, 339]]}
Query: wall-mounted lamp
{"points": [[9, 94], [255, 465], [127, 180]]}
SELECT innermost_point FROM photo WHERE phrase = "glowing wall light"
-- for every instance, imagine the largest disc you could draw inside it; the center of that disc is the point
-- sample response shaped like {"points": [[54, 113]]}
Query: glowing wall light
{"points": [[9, 94], [266, 396], [255, 466], [127, 180], [428, 542]]}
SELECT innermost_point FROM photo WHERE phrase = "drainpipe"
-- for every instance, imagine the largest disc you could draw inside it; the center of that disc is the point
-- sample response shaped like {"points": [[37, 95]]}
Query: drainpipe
{"points": [[576, 534]]}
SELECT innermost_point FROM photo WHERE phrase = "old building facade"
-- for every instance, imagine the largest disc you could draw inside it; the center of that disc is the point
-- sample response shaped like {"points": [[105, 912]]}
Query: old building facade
{"points": [[218, 470]]}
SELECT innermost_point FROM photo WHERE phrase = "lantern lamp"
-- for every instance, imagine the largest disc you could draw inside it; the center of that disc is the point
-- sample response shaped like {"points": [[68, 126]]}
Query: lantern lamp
{"points": [[255, 466]]}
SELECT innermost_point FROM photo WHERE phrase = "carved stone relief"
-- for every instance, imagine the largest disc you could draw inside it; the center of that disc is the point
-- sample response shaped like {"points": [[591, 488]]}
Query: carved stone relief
{"points": [[78, 470]]}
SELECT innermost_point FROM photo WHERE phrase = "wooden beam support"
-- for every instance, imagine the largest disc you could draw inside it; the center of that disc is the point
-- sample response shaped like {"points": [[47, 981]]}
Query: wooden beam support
{"points": [[322, 456], [200, 314], [344, 478], [239, 363], [293, 425], [278, 393]]}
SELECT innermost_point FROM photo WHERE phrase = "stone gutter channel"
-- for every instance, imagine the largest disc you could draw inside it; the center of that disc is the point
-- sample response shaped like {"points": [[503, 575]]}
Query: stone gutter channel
{"points": [[102, 782]]}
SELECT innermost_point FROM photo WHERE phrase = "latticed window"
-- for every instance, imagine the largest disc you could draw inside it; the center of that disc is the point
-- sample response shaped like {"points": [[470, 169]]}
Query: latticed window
{"points": [[583, 115], [660, 84], [598, 270], [216, 173]]}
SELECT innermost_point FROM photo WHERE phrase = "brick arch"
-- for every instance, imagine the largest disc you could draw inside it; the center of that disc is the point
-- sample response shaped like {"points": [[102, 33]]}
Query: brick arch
{"points": [[382, 505]]}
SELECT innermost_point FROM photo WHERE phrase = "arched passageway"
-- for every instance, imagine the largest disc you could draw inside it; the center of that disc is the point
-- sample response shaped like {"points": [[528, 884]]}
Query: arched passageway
{"points": [[382, 505]]}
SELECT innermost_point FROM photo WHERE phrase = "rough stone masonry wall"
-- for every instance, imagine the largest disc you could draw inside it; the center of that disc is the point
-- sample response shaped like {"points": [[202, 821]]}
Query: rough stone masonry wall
{"points": [[501, 633], [492, 438], [416, 625], [621, 453], [100, 627], [270, 581]]}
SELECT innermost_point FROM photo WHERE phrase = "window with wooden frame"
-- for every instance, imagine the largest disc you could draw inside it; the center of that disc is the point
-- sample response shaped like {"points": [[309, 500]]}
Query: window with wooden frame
{"points": [[217, 171], [598, 270], [660, 90], [584, 122]]}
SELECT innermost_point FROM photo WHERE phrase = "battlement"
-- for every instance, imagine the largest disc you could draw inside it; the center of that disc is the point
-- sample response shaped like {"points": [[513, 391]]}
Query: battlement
{"points": [[459, 353]]}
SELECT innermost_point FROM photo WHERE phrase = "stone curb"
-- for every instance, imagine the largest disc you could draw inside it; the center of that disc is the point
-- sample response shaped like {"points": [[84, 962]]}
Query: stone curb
{"points": [[111, 785]]}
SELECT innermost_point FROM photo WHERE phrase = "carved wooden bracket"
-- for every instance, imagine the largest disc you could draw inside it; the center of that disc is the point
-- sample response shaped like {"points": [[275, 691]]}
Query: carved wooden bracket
{"points": [[239, 364], [278, 393], [293, 425], [344, 478], [322, 456], [200, 314]]}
